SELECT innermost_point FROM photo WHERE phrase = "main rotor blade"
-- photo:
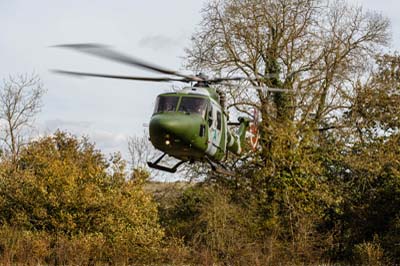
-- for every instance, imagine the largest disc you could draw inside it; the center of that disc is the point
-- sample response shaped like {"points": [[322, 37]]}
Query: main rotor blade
{"points": [[85, 74], [217, 80], [107, 53]]}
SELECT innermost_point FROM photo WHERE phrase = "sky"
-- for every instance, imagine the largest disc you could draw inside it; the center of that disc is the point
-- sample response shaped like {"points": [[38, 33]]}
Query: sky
{"points": [[107, 111]]}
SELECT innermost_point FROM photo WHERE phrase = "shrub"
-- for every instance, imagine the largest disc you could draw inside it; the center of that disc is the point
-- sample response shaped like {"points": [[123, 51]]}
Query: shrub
{"points": [[85, 204]]}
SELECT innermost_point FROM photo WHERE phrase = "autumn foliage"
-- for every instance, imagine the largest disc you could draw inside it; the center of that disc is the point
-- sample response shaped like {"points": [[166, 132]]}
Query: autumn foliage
{"points": [[64, 202], [323, 188]]}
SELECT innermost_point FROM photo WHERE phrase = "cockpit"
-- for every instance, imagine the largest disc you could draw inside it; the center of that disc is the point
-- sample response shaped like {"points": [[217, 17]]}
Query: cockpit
{"points": [[184, 104], [166, 104]]}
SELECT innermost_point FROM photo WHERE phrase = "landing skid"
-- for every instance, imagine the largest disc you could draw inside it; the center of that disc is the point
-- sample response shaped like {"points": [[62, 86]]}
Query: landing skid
{"points": [[157, 166], [219, 168]]}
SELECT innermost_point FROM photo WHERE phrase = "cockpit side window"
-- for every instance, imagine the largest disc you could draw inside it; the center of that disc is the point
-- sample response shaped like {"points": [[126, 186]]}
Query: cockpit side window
{"points": [[166, 104], [193, 105]]}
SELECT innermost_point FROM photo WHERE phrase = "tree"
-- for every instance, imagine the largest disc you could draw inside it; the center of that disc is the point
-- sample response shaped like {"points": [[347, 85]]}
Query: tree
{"points": [[312, 48], [20, 101], [323, 53], [376, 108], [368, 169], [67, 189]]}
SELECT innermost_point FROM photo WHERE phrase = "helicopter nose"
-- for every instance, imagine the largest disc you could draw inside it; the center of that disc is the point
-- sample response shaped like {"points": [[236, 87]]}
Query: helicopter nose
{"points": [[170, 124], [180, 127], [166, 125]]}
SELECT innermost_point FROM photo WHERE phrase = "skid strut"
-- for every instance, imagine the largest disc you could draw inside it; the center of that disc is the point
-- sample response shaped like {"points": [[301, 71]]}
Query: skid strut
{"points": [[157, 166]]}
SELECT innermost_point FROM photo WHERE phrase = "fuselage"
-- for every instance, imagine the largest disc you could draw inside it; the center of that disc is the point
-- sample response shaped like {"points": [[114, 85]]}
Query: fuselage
{"points": [[190, 124]]}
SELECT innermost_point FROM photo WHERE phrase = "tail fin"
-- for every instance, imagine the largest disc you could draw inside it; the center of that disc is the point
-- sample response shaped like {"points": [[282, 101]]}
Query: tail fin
{"points": [[235, 141]]}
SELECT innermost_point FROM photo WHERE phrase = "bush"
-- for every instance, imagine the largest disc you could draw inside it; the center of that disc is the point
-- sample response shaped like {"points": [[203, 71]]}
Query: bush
{"points": [[369, 254], [65, 189]]}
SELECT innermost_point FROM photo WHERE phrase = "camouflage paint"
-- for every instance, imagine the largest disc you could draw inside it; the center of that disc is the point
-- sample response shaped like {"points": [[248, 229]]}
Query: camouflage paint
{"points": [[188, 136]]}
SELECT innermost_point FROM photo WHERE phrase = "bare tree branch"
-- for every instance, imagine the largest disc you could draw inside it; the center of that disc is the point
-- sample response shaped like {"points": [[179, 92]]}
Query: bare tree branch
{"points": [[315, 47], [20, 101]]}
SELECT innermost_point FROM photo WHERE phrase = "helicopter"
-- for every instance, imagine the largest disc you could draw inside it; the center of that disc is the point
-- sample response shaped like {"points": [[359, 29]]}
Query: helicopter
{"points": [[190, 124]]}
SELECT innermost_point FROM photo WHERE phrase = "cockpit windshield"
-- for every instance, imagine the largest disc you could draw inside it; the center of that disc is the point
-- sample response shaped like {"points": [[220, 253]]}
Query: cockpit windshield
{"points": [[166, 104], [193, 105]]}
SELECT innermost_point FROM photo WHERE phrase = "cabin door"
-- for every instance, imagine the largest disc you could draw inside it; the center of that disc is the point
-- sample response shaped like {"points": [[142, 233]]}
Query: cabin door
{"points": [[214, 130]]}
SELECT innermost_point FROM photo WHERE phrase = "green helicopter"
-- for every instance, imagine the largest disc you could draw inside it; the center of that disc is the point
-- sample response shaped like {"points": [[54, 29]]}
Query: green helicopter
{"points": [[190, 124]]}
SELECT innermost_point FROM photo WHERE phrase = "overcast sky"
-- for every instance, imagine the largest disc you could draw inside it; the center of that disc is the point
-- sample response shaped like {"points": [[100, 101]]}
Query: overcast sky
{"points": [[108, 111]]}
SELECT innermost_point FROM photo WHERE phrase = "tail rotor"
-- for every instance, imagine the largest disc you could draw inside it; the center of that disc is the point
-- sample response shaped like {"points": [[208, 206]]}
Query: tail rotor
{"points": [[253, 130]]}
